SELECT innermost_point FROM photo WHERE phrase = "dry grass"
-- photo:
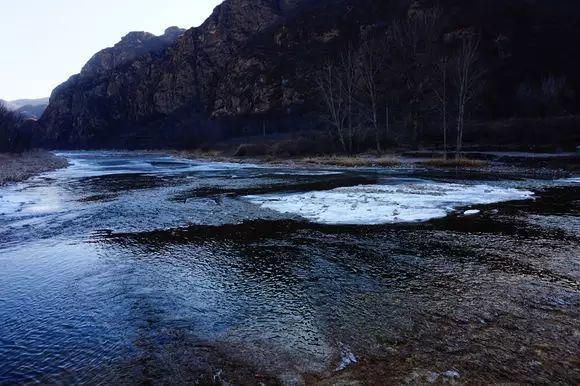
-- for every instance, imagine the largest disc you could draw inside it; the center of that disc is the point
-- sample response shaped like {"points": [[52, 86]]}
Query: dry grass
{"points": [[209, 155], [454, 163], [353, 162]]}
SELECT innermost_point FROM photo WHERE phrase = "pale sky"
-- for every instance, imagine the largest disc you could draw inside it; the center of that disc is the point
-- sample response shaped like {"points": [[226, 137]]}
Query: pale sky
{"points": [[44, 42]]}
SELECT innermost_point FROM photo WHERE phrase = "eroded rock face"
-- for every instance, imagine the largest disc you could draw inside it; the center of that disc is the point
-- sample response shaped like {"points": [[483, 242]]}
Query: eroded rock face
{"points": [[145, 78], [131, 47], [255, 61]]}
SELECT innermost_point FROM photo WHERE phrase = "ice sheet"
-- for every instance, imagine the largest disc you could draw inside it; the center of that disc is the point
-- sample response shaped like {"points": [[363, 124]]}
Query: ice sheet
{"points": [[384, 204]]}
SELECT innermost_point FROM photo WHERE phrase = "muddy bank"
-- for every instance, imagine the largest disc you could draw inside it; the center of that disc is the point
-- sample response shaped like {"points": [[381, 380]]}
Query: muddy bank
{"points": [[19, 167]]}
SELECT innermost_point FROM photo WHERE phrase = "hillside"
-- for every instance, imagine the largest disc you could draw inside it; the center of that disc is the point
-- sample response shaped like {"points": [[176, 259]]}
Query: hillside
{"points": [[253, 67], [27, 108]]}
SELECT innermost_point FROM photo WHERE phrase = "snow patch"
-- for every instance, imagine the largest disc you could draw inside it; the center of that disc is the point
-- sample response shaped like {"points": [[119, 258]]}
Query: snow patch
{"points": [[472, 212], [384, 204]]}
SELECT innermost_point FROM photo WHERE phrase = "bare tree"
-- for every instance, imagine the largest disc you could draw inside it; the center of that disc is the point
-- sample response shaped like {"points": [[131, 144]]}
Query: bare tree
{"points": [[387, 120], [468, 78], [412, 42], [339, 85], [331, 89], [440, 91], [350, 74], [370, 64]]}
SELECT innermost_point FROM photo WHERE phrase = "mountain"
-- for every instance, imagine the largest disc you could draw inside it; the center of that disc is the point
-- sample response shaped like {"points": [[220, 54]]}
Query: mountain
{"points": [[17, 104], [131, 47], [254, 64], [32, 111], [28, 108], [7, 104]]}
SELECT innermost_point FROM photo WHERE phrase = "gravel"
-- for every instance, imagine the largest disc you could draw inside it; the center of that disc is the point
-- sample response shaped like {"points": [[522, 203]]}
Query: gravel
{"points": [[19, 167]]}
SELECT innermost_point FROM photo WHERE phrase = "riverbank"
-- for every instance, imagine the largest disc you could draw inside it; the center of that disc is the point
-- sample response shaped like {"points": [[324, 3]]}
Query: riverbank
{"points": [[19, 167], [502, 164]]}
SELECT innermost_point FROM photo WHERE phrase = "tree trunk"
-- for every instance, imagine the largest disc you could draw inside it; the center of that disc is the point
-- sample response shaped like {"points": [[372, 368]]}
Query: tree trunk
{"points": [[445, 109], [387, 121]]}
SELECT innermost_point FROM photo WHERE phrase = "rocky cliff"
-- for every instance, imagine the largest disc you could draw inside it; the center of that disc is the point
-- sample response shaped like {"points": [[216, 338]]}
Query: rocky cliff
{"points": [[252, 64]]}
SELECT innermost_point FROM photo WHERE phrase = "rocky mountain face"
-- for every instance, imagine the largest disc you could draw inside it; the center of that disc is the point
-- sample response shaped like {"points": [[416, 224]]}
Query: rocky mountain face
{"points": [[252, 67], [131, 47]]}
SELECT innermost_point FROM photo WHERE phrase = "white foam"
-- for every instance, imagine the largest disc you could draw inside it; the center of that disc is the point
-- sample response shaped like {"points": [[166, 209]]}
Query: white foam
{"points": [[384, 204]]}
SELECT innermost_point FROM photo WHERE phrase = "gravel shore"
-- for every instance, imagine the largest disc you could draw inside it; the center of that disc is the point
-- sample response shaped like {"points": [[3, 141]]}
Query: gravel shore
{"points": [[19, 167]]}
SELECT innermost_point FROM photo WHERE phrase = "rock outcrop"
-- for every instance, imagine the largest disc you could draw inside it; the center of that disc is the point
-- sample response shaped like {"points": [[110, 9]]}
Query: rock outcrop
{"points": [[131, 47], [252, 63], [127, 93]]}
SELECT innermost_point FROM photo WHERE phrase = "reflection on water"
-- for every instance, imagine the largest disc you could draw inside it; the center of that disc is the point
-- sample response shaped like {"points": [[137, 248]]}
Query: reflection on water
{"points": [[134, 268]]}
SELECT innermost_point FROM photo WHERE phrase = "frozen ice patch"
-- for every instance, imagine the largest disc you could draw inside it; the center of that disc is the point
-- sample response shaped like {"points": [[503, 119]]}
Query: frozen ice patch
{"points": [[384, 204], [303, 172], [571, 181]]}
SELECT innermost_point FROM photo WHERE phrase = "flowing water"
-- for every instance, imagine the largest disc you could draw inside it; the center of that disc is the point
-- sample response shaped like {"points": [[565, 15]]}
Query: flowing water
{"points": [[139, 268]]}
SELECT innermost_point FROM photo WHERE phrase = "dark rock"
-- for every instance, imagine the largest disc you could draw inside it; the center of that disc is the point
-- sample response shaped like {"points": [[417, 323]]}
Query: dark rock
{"points": [[255, 61]]}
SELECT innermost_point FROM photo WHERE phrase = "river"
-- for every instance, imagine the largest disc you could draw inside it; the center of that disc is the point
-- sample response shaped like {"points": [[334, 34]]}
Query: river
{"points": [[132, 268]]}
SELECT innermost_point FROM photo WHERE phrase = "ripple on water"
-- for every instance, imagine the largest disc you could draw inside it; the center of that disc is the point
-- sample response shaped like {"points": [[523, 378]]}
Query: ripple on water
{"points": [[167, 276]]}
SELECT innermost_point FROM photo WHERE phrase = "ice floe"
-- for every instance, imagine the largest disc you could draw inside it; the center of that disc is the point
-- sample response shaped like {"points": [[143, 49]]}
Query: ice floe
{"points": [[384, 204]]}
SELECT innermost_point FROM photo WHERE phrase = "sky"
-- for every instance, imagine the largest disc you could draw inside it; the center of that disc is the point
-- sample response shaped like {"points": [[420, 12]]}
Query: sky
{"points": [[44, 42]]}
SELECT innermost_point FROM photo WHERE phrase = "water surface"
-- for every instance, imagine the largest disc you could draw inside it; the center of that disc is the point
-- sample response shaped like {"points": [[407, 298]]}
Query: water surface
{"points": [[144, 268]]}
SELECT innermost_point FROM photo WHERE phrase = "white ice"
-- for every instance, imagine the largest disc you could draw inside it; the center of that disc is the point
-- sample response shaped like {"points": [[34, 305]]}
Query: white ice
{"points": [[572, 180], [384, 204]]}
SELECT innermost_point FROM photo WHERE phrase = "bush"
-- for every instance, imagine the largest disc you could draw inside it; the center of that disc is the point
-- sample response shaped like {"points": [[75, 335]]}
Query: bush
{"points": [[454, 163], [354, 162], [252, 150]]}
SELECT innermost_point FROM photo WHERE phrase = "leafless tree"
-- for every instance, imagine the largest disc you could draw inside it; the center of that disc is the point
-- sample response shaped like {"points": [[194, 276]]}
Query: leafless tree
{"points": [[441, 96], [339, 85], [413, 45], [350, 74], [371, 61], [331, 89], [468, 79]]}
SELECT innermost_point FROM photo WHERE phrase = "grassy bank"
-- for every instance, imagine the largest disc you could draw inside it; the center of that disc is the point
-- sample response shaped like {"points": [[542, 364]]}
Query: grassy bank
{"points": [[353, 161], [453, 163], [19, 167]]}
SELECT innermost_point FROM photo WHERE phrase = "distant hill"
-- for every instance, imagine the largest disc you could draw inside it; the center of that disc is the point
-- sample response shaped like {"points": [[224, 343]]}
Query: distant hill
{"points": [[19, 103], [32, 111], [28, 108], [7, 104]]}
